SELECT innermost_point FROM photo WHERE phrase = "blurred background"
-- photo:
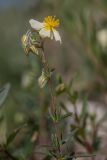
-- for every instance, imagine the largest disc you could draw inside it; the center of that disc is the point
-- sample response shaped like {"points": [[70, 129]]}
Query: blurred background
{"points": [[84, 35], [83, 53]]}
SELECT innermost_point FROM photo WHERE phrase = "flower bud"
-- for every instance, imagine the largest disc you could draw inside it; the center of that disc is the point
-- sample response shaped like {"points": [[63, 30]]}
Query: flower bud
{"points": [[25, 44], [30, 44], [44, 78], [60, 88], [34, 49]]}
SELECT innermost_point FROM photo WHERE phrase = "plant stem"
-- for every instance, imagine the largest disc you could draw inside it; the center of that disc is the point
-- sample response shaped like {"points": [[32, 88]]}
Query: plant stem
{"points": [[53, 98]]}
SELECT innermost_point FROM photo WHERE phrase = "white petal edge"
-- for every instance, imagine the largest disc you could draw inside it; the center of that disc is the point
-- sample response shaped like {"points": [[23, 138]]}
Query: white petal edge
{"points": [[45, 33], [36, 24], [57, 36]]}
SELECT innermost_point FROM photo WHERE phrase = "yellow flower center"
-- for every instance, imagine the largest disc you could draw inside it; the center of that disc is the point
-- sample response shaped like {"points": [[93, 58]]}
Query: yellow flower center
{"points": [[51, 23]]}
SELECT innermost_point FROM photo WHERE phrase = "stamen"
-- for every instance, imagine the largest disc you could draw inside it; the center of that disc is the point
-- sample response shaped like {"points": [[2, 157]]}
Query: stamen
{"points": [[51, 22]]}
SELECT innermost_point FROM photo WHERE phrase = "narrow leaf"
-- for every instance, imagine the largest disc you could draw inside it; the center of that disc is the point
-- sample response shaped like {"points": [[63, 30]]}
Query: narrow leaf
{"points": [[14, 134], [66, 115], [3, 93]]}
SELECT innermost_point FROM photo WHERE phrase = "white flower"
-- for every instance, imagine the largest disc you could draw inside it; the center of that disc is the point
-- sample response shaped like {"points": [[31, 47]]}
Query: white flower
{"points": [[47, 28]]}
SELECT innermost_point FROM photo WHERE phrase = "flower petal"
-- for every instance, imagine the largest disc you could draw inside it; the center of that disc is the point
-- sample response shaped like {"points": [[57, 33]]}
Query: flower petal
{"points": [[45, 33], [57, 35], [36, 24]]}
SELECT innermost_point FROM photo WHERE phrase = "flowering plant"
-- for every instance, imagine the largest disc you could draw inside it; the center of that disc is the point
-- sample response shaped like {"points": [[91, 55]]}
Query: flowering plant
{"points": [[41, 31], [60, 143]]}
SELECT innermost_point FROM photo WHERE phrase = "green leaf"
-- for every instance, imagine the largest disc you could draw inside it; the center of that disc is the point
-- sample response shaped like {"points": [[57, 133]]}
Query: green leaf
{"points": [[81, 155], [59, 79], [96, 143], [84, 116], [84, 107], [73, 96], [55, 141], [3, 93], [14, 134], [56, 115], [66, 115]]}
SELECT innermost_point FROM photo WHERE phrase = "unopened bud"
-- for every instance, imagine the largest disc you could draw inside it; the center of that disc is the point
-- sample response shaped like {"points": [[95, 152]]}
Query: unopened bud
{"points": [[30, 44], [34, 49], [44, 78], [60, 88]]}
